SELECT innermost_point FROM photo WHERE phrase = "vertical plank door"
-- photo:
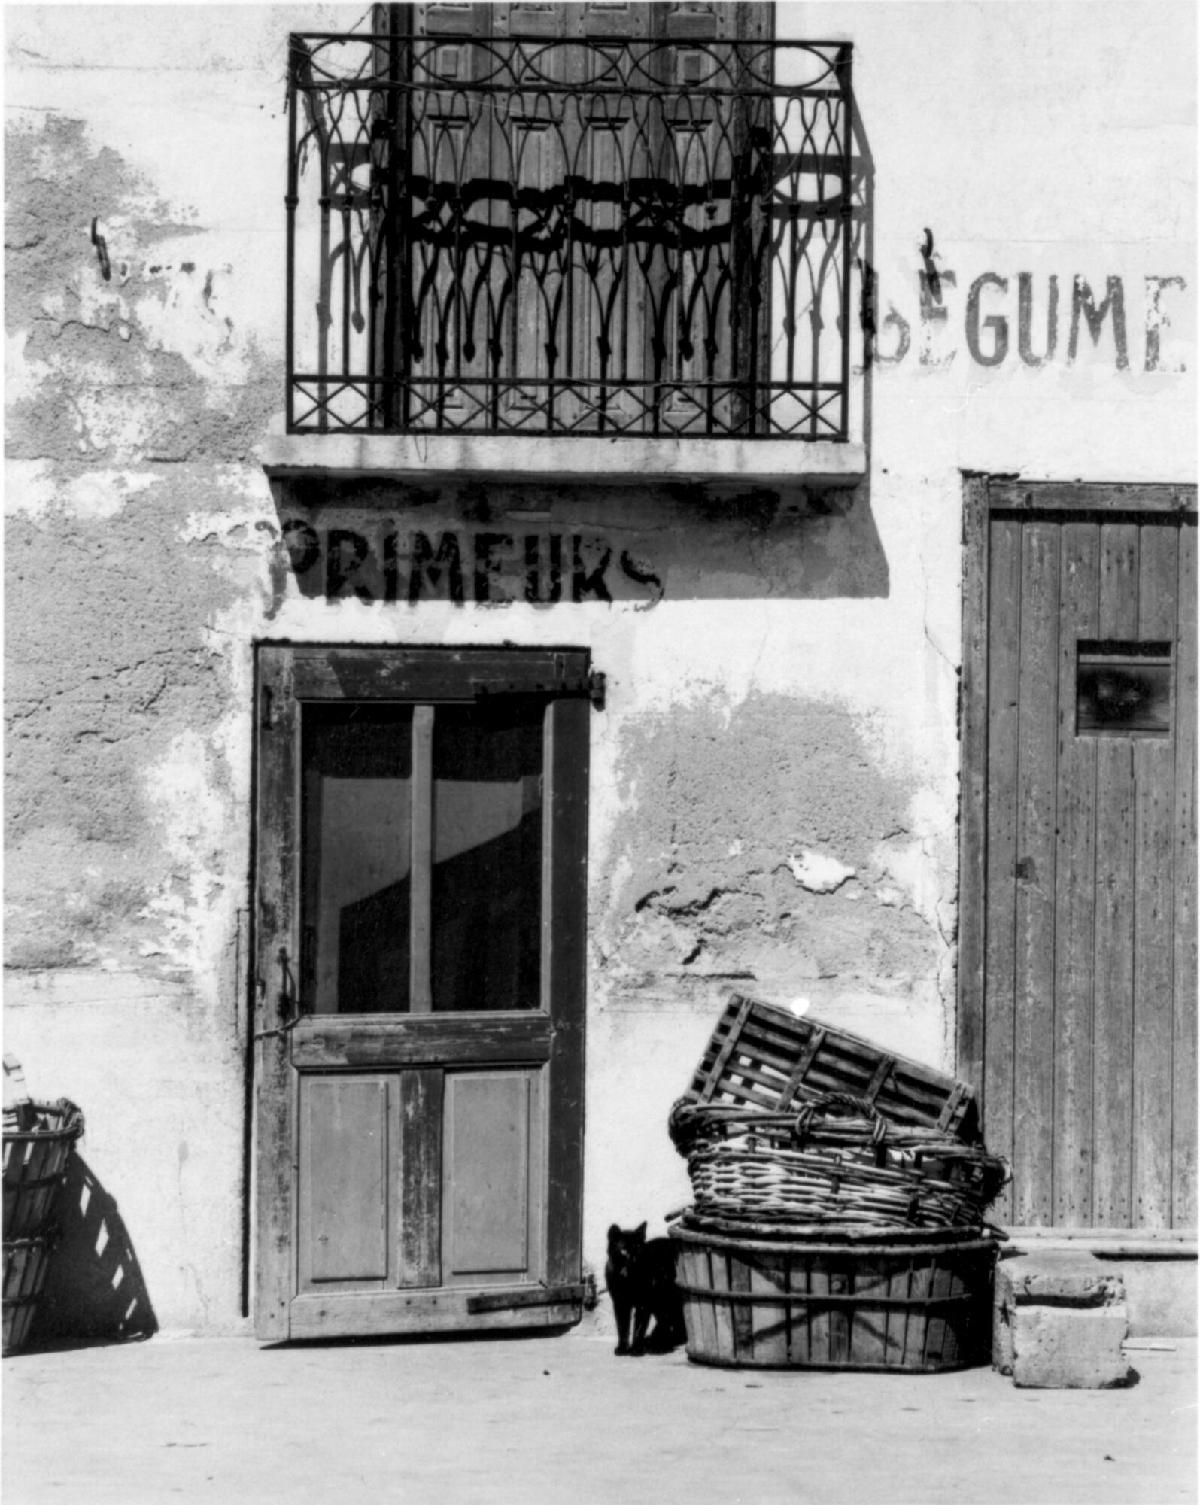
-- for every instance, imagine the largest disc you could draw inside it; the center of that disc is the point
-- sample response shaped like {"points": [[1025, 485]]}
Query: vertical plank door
{"points": [[1078, 997]]}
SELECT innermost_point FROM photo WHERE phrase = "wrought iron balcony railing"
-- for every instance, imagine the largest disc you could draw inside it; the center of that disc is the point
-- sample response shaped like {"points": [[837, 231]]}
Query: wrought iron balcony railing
{"points": [[596, 236]]}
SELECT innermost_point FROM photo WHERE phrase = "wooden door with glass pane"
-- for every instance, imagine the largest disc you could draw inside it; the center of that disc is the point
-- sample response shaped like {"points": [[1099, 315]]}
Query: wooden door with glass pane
{"points": [[420, 916]]}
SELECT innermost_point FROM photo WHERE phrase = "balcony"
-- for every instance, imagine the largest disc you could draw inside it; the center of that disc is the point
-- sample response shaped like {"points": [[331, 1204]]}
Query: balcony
{"points": [[594, 238]]}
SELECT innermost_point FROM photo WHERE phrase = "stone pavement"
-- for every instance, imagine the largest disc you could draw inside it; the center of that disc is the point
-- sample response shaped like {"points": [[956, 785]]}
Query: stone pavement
{"points": [[561, 1421]]}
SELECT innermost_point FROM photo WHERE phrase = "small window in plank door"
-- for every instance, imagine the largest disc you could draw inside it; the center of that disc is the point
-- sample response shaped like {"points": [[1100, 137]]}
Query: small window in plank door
{"points": [[1123, 688], [422, 856]]}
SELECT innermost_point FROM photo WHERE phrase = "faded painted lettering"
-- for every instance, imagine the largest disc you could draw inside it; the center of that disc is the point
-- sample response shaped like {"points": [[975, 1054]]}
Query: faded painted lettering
{"points": [[934, 314], [1095, 327], [1083, 303], [1025, 320], [1157, 321], [361, 564], [428, 567], [996, 323]]}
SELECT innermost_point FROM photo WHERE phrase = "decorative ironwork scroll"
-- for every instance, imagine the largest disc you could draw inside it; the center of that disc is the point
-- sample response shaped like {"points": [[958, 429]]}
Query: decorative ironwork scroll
{"points": [[571, 236]]}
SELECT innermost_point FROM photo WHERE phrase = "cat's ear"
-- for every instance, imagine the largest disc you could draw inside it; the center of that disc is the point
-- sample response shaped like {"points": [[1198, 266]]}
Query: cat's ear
{"points": [[614, 1233], [640, 1231]]}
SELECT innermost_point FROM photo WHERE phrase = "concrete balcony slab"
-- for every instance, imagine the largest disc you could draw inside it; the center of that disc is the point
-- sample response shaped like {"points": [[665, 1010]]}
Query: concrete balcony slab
{"points": [[716, 465]]}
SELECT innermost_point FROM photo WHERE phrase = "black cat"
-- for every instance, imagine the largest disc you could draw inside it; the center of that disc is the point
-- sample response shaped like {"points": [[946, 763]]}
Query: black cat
{"points": [[640, 1277]]}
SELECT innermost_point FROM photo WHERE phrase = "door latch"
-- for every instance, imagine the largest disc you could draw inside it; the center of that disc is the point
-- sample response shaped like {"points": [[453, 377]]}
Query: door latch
{"points": [[289, 1004]]}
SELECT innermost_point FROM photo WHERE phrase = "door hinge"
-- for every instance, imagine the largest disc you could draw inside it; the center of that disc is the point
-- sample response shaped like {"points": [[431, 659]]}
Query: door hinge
{"points": [[597, 687]]}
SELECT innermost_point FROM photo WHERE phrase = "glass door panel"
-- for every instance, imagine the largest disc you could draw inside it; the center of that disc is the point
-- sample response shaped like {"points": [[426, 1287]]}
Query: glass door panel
{"points": [[486, 902], [357, 839]]}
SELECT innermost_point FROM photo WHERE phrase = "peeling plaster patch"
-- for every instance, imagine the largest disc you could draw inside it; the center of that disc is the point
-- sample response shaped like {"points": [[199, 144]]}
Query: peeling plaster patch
{"points": [[21, 375], [28, 488], [102, 494], [819, 873], [752, 850], [184, 790], [147, 366], [94, 711]]}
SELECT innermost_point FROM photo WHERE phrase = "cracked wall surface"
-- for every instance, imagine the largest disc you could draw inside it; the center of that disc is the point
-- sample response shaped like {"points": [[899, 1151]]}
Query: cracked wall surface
{"points": [[762, 847]]}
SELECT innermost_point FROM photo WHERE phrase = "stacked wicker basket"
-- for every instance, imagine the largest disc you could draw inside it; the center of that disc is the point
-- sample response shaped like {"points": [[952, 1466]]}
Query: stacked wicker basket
{"points": [[840, 1197], [37, 1140]]}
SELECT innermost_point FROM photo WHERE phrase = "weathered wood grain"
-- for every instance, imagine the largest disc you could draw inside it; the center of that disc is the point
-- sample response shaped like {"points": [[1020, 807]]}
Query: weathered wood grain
{"points": [[1113, 1007], [436, 674], [344, 1206], [491, 1192], [367, 1314], [1075, 889], [1004, 659], [1183, 1052], [564, 968], [1056, 496], [1154, 777], [973, 733], [400, 1040], [276, 952], [1033, 993], [419, 1235], [421, 886]]}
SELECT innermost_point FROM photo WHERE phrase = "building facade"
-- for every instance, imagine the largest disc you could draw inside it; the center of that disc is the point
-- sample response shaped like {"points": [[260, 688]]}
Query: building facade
{"points": [[521, 518]]}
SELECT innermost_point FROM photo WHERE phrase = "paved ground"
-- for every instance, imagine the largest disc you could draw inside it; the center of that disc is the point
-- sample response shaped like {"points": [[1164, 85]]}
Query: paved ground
{"points": [[560, 1421]]}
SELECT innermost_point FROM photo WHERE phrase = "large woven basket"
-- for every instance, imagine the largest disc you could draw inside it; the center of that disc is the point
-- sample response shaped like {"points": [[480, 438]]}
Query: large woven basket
{"points": [[834, 1161], [901, 1304], [37, 1140], [764, 1057]]}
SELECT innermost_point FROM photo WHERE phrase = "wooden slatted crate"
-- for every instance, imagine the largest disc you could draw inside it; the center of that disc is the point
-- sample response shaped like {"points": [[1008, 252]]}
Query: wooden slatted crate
{"points": [[763, 1056], [875, 1303]]}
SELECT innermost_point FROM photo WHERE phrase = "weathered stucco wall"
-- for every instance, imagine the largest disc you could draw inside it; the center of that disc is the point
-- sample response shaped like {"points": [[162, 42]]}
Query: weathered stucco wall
{"points": [[775, 774]]}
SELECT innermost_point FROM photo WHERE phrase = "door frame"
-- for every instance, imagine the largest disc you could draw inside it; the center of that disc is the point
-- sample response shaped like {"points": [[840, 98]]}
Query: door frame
{"points": [[286, 675], [985, 495]]}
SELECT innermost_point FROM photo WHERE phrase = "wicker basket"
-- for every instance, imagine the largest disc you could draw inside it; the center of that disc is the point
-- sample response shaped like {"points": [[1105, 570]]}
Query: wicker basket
{"points": [[764, 1057], [834, 1161], [900, 1304], [35, 1156], [25, 1262]]}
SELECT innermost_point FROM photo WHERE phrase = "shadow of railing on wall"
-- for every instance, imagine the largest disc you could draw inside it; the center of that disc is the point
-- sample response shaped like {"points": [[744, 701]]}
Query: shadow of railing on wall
{"points": [[94, 1291]]}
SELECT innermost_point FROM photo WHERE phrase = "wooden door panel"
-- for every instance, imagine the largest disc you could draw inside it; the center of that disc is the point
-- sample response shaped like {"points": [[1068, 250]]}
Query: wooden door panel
{"points": [[346, 1154], [1113, 1003], [1081, 1011], [1183, 1055], [419, 1237], [1075, 890], [1112, 1203], [1033, 1032], [491, 1175], [1001, 792], [1154, 888]]}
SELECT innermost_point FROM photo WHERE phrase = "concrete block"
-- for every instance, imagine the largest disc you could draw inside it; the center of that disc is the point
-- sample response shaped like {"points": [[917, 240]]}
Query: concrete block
{"points": [[1060, 1277], [1069, 1347], [1059, 1320]]}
